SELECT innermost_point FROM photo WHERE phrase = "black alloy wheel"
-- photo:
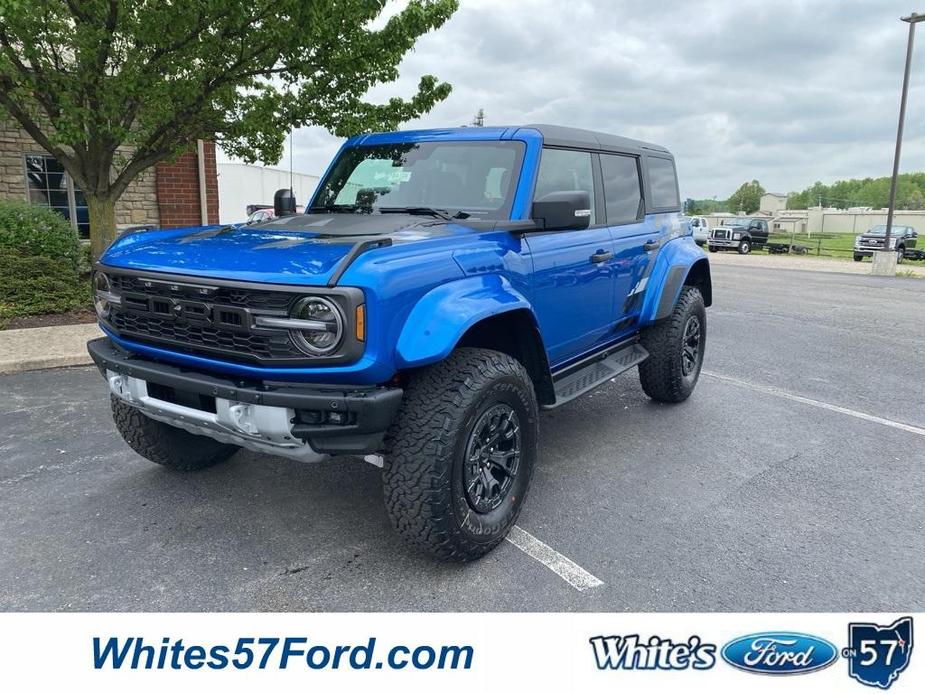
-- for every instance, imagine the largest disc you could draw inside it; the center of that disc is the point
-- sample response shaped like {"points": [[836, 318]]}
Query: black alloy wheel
{"points": [[690, 349], [492, 458]]}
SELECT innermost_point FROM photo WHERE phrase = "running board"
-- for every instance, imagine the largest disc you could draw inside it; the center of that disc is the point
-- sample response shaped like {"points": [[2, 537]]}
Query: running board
{"points": [[595, 370]]}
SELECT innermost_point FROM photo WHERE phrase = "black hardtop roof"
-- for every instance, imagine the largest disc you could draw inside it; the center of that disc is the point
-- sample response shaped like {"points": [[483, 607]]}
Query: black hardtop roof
{"points": [[557, 135]]}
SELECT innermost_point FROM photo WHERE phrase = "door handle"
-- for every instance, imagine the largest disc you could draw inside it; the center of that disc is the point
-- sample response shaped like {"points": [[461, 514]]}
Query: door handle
{"points": [[601, 256], [651, 245]]}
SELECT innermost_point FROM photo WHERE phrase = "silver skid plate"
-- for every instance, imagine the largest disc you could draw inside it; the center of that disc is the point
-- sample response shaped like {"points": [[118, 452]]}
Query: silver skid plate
{"points": [[259, 428]]}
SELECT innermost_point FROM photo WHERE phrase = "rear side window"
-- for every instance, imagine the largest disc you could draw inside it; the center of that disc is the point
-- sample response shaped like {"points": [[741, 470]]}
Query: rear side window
{"points": [[664, 182], [562, 169], [622, 193]]}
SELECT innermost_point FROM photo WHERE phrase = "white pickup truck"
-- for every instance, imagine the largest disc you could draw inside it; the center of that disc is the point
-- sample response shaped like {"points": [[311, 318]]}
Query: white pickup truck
{"points": [[701, 230]]}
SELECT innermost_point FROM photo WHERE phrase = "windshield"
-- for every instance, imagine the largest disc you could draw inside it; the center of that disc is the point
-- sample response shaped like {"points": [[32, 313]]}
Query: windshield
{"points": [[464, 179], [737, 222]]}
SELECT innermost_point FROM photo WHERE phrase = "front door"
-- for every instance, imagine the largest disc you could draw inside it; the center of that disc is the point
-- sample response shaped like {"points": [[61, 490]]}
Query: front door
{"points": [[573, 291]]}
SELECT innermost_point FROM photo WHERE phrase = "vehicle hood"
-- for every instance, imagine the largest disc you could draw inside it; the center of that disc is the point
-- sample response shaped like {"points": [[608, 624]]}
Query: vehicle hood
{"points": [[302, 249]]}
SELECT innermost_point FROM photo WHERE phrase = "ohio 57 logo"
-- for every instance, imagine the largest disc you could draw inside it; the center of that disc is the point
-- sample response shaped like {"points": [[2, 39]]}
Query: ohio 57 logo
{"points": [[877, 654]]}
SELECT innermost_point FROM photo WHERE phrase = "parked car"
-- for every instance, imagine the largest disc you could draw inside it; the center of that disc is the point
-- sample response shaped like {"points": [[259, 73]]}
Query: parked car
{"points": [[443, 287], [700, 229], [260, 216], [902, 239], [740, 233]]}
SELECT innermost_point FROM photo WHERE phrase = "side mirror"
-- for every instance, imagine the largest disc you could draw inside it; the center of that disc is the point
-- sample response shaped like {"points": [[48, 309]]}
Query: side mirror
{"points": [[284, 202], [563, 209]]}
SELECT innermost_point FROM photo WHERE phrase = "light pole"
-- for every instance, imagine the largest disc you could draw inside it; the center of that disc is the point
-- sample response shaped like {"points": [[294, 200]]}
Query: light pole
{"points": [[912, 19]]}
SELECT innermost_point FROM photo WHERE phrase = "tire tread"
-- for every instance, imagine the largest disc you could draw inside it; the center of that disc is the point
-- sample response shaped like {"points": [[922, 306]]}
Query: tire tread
{"points": [[421, 446], [660, 374]]}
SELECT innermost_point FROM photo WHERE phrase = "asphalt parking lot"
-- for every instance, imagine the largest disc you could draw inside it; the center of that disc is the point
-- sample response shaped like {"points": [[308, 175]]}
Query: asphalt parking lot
{"points": [[793, 479]]}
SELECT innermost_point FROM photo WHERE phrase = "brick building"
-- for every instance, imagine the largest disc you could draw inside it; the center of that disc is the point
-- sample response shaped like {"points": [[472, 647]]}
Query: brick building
{"points": [[167, 195]]}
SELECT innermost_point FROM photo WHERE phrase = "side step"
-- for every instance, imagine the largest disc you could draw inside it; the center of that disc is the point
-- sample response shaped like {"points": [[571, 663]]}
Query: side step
{"points": [[595, 370]]}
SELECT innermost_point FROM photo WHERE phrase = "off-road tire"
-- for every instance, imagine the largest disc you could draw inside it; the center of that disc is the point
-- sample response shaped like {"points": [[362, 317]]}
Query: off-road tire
{"points": [[745, 247], [426, 447], [661, 374], [166, 445]]}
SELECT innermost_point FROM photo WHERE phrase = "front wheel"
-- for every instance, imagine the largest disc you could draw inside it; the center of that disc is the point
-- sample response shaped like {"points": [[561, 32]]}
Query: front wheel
{"points": [[676, 347], [858, 257], [900, 255], [712, 249], [744, 247], [460, 454], [165, 445]]}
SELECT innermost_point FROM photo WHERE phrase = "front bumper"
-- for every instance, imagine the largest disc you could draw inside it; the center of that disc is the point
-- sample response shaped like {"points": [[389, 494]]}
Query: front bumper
{"points": [[299, 421], [724, 243]]}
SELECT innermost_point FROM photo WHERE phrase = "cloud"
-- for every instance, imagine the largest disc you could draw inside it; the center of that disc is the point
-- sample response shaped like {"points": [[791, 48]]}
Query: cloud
{"points": [[786, 92]]}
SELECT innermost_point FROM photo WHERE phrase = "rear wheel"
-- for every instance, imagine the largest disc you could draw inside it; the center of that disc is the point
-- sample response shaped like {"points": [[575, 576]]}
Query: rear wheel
{"points": [[166, 445], [676, 347], [460, 454]]}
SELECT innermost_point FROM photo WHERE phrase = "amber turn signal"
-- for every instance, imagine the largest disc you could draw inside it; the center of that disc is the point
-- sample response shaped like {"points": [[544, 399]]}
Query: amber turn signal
{"points": [[361, 323]]}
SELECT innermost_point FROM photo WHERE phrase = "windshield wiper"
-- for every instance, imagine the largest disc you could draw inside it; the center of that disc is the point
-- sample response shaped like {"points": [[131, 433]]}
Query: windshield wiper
{"points": [[333, 208], [429, 211]]}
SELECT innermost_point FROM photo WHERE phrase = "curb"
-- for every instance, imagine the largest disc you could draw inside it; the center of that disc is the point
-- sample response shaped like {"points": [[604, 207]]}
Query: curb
{"points": [[31, 349]]}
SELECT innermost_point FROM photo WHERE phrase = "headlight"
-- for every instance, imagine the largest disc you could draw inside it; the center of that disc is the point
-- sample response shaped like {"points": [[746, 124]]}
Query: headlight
{"points": [[322, 329], [103, 296], [736, 235]]}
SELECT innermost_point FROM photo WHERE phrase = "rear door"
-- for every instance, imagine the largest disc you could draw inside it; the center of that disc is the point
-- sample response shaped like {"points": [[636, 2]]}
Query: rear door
{"points": [[573, 289], [625, 211]]}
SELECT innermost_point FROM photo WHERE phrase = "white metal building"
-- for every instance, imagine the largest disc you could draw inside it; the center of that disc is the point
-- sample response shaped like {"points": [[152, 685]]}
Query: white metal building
{"points": [[773, 202], [240, 185]]}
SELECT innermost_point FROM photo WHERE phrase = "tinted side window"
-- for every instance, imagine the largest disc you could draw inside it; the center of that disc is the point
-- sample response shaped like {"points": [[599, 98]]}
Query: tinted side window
{"points": [[561, 169], [663, 181], [622, 193]]}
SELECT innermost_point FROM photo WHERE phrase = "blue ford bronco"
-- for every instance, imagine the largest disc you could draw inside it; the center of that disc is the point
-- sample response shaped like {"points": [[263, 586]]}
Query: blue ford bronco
{"points": [[440, 289]]}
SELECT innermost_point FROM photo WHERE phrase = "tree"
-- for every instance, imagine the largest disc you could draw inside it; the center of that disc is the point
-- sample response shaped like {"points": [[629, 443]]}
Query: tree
{"points": [[862, 192], [747, 198], [111, 87], [915, 201]]}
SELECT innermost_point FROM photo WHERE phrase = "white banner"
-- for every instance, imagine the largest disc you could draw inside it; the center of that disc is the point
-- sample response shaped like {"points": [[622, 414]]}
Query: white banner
{"points": [[404, 653]]}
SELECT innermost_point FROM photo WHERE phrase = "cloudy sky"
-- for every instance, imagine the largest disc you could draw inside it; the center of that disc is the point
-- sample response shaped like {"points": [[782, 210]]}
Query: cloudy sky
{"points": [[785, 92]]}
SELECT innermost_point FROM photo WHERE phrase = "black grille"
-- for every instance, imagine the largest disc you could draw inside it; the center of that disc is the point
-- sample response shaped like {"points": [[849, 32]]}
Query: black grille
{"points": [[203, 319], [720, 234], [218, 317], [202, 338], [229, 296]]}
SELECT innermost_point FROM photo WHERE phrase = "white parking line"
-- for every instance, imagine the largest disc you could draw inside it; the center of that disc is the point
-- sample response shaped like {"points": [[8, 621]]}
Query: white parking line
{"points": [[770, 390], [566, 569]]}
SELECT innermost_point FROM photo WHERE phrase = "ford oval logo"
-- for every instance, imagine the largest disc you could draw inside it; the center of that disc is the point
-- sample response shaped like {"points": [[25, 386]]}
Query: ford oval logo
{"points": [[779, 653]]}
